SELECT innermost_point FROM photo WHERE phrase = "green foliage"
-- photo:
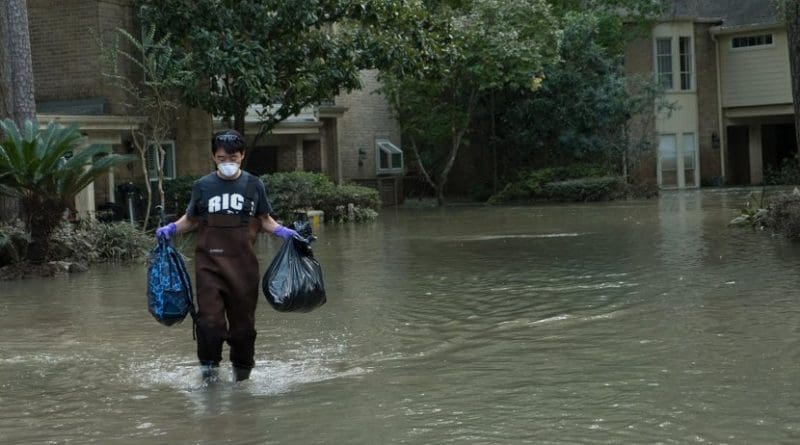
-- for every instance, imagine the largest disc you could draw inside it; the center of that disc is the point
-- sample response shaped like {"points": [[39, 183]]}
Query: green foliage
{"points": [[582, 109], [177, 193], [783, 215], [473, 48], [530, 184], [584, 189], [46, 169], [14, 242], [49, 163], [85, 242], [292, 191], [149, 72], [617, 20], [788, 173], [365, 200], [92, 242], [280, 54]]}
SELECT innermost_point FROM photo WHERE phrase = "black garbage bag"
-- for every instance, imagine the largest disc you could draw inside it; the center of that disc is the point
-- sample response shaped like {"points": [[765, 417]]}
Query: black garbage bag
{"points": [[169, 289], [293, 281]]}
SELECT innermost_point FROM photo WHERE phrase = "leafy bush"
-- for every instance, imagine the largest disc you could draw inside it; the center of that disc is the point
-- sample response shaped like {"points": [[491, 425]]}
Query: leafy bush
{"points": [[177, 193], [787, 173], [91, 242], [584, 189], [783, 215], [292, 191], [529, 186], [14, 242]]}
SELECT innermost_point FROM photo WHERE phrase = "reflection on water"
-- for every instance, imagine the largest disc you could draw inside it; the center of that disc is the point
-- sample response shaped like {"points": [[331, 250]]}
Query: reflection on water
{"points": [[628, 322]]}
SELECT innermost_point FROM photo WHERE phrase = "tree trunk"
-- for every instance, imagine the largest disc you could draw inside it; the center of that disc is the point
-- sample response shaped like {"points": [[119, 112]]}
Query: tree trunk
{"points": [[238, 120], [16, 77], [457, 138], [16, 66], [793, 34], [42, 217]]}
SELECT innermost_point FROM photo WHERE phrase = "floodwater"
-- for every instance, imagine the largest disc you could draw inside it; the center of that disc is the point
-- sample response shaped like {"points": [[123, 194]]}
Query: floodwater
{"points": [[611, 323]]}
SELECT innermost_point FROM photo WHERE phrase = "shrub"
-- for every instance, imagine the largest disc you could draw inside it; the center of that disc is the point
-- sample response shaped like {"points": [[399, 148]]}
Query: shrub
{"points": [[787, 173], [584, 189], [177, 193], [529, 186], [292, 191], [783, 215], [90, 242], [14, 242]]}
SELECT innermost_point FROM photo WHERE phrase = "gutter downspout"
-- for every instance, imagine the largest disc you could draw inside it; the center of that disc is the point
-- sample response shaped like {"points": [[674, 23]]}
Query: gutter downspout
{"points": [[720, 123]]}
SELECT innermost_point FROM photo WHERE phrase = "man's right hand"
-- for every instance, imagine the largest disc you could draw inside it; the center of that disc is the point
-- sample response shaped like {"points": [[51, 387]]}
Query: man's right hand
{"points": [[167, 232]]}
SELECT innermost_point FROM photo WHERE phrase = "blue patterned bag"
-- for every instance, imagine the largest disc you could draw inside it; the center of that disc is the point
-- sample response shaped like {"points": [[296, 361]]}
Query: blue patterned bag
{"points": [[169, 289]]}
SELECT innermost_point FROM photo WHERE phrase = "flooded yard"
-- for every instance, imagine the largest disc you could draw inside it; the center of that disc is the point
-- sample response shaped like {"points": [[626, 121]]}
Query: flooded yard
{"points": [[621, 322]]}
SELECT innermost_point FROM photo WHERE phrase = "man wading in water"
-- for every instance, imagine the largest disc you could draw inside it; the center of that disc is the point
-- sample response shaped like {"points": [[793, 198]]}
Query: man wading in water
{"points": [[228, 207]]}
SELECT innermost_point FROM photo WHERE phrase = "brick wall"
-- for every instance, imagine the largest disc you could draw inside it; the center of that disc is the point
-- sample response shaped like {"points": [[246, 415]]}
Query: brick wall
{"points": [[113, 14], [368, 118], [193, 130], [639, 63], [65, 46], [707, 104], [63, 51]]}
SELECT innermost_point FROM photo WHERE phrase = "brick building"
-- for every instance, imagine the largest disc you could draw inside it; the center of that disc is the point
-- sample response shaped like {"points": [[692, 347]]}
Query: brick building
{"points": [[347, 139], [724, 65]]}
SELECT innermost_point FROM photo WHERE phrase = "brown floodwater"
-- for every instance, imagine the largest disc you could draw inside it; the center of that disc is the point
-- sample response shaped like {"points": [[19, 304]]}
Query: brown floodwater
{"points": [[623, 322]]}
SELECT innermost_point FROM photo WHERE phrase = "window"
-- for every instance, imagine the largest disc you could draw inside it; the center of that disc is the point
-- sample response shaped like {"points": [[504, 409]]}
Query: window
{"points": [[666, 53], [754, 40], [389, 157], [169, 161], [664, 62], [686, 62]]}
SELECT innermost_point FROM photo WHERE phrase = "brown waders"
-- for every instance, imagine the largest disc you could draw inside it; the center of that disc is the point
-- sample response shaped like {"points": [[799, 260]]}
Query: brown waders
{"points": [[226, 270]]}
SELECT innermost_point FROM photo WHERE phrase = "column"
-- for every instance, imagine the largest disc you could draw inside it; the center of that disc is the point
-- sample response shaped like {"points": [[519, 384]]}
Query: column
{"points": [[756, 162]]}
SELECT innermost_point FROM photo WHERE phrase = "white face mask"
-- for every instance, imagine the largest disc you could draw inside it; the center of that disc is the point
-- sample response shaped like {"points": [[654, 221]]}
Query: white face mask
{"points": [[228, 169]]}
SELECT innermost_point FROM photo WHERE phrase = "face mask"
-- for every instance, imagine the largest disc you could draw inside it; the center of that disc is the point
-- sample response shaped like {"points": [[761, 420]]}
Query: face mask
{"points": [[228, 169]]}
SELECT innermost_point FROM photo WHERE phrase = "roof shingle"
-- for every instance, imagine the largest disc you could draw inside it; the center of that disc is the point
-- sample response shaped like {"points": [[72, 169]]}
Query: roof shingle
{"points": [[731, 12]]}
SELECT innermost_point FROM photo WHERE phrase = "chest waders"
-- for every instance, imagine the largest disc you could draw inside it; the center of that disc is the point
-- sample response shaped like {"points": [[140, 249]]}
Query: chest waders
{"points": [[227, 276]]}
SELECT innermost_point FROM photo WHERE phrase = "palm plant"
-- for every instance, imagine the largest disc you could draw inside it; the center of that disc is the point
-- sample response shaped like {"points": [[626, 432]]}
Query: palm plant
{"points": [[45, 169]]}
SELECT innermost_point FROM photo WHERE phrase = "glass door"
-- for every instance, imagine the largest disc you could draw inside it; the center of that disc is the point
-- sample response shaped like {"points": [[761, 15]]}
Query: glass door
{"points": [[689, 160], [667, 160]]}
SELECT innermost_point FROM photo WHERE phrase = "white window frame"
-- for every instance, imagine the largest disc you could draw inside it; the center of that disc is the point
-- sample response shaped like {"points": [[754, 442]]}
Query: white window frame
{"points": [[386, 146], [686, 64], [756, 46], [660, 75], [660, 162], [676, 59], [169, 161]]}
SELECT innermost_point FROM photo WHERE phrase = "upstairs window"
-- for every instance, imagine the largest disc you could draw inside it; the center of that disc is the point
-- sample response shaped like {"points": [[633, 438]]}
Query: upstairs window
{"points": [[169, 161], [389, 157], [664, 62], [686, 61], [669, 75], [749, 41]]}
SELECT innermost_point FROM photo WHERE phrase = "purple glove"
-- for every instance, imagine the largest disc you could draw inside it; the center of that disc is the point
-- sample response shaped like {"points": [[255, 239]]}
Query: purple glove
{"points": [[284, 232], [166, 232]]}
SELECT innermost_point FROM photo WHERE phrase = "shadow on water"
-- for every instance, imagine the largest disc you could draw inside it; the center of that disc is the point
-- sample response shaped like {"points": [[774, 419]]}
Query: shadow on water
{"points": [[623, 322]]}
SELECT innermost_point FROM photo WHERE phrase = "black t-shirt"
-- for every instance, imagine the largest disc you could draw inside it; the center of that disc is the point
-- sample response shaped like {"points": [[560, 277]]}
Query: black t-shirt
{"points": [[212, 194]]}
